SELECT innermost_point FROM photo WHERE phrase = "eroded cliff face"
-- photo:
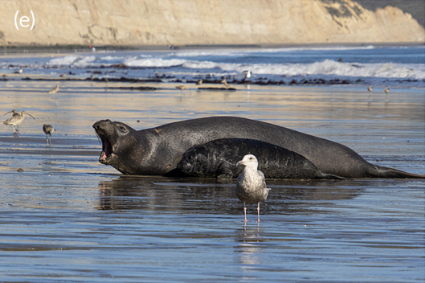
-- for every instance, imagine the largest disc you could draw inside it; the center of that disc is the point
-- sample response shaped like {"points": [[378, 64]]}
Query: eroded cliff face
{"points": [[178, 22]]}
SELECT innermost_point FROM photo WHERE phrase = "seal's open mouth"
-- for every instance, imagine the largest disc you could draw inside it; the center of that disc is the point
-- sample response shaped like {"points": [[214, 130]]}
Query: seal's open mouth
{"points": [[106, 154]]}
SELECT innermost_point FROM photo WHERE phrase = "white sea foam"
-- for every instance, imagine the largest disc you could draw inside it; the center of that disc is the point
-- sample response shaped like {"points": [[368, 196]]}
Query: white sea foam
{"points": [[153, 62], [63, 61], [111, 58], [326, 67], [85, 61]]}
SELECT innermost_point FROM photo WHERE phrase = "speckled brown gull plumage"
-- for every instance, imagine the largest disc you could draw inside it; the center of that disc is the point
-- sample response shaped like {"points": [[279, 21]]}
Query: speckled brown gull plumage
{"points": [[251, 184]]}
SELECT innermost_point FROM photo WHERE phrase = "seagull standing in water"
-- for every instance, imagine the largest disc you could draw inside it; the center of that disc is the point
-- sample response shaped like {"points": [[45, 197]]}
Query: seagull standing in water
{"points": [[251, 184], [16, 119], [247, 75], [48, 130]]}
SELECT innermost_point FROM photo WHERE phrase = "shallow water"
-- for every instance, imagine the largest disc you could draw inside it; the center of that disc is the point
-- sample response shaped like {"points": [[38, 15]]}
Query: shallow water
{"points": [[67, 217]]}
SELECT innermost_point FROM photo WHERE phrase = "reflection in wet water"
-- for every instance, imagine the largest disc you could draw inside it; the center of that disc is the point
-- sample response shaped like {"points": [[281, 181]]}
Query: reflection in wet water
{"points": [[184, 195], [68, 218]]}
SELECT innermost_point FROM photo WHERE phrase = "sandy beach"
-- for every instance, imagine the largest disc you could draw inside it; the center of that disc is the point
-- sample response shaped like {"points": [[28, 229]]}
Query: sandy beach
{"points": [[352, 72], [68, 217]]}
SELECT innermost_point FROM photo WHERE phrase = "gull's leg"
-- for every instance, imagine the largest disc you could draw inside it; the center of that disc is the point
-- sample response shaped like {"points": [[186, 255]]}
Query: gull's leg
{"points": [[258, 211], [244, 212]]}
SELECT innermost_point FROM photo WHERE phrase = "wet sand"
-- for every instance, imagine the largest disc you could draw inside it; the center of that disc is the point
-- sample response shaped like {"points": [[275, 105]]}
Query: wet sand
{"points": [[67, 217]]}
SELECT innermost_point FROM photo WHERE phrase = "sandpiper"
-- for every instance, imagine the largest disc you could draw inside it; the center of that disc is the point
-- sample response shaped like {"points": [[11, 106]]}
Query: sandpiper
{"points": [[181, 87], [16, 119], [223, 81], [54, 90], [48, 130]]}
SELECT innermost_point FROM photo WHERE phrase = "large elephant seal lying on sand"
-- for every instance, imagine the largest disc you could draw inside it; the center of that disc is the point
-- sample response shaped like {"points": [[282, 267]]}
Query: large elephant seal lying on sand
{"points": [[157, 151], [218, 158]]}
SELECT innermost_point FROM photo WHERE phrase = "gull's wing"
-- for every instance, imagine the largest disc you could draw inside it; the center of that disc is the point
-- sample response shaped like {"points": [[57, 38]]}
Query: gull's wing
{"points": [[263, 179]]}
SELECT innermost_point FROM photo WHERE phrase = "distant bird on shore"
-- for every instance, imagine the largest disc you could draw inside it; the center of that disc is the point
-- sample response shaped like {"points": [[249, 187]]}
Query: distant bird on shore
{"points": [[106, 80], [62, 75], [91, 77], [54, 90], [181, 87], [369, 89], [387, 90], [16, 119], [247, 75], [251, 184], [18, 72], [199, 82], [223, 81], [48, 130]]}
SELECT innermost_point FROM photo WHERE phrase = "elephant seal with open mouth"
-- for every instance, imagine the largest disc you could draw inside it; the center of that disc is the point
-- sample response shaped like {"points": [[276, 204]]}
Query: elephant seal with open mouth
{"points": [[157, 151]]}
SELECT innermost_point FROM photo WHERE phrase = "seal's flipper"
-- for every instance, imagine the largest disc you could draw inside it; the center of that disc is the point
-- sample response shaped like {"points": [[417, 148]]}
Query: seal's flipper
{"points": [[322, 175], [224, 171], [376, 171]]}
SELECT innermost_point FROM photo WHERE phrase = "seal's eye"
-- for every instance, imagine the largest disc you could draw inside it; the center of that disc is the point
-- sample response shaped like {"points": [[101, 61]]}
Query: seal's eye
{"points": [[124, 129]]}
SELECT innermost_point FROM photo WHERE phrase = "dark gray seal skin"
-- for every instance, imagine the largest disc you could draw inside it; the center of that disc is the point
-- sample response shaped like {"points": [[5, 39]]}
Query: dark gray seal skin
{"points": [[218, 158], [157, 151]]}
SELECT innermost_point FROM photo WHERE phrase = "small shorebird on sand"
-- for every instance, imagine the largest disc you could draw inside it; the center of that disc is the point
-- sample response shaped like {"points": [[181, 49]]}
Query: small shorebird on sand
{"points": [[54, 90], [251, 184], [369, 89], [62, 75], [199, 82], [181, 87], [48, 130], [387, 90], [223, 81], [18, 72], [16, 119]]}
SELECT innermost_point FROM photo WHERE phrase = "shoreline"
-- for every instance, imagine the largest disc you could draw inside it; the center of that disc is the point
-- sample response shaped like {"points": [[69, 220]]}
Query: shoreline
{"points": [[40, 49]]}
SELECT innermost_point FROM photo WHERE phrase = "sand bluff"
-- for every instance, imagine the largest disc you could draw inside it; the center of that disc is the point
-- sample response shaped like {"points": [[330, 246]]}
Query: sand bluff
{"points": [[151, 22]]}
